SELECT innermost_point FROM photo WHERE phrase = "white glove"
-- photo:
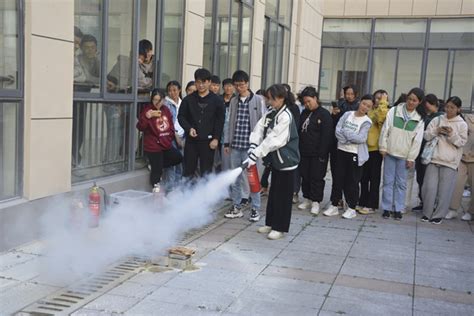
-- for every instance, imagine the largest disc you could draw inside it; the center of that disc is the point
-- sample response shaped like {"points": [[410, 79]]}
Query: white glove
{"points": [[249, 162], [251, 148]]}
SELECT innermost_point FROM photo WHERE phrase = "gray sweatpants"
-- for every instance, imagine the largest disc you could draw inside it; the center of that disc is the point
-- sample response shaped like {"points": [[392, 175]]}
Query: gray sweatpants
{"points": [[438, 186]]}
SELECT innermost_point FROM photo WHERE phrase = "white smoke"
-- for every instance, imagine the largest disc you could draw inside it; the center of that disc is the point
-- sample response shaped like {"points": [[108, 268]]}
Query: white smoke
{"points": [[146, 228]]}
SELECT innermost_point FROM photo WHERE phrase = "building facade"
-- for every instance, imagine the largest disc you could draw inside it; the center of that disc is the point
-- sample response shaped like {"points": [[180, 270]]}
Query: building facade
{"points": [[60, 128]]}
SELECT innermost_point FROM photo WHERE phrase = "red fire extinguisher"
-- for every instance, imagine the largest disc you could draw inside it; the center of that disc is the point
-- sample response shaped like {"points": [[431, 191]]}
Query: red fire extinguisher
{"points": [[94, 206], [254, 180]]}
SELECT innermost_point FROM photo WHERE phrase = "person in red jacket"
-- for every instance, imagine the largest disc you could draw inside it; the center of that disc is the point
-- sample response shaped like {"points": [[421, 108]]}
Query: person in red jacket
{"points": [[156, 123]]}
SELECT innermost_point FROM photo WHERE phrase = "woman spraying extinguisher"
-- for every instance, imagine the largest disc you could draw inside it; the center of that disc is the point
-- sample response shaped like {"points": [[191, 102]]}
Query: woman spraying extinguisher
{"points": [[275, 139], [156, 123]]}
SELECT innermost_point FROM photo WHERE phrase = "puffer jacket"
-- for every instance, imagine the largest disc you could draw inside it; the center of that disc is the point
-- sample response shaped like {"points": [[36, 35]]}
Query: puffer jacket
{"points": [[448, 151]]}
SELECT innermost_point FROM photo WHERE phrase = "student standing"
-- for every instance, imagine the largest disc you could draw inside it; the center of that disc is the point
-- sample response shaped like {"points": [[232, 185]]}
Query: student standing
{"points": [[371, 173], [315, 135], [399, 144], [201, 115], [156, 123], [245, 110], [440, 177], [275, 139], [352, 152]]}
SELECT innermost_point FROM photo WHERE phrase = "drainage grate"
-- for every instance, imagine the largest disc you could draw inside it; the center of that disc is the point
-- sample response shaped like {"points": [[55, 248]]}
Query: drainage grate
{"points": [[67, 300]]}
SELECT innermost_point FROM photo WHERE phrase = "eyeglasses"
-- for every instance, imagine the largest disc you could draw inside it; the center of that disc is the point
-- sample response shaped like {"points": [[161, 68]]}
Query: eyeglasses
{"points": [[240, 85]]}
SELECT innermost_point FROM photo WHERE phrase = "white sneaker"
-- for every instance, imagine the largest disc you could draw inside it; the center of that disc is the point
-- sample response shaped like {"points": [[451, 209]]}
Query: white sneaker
{"points": [[331, 211], [315, 208], [296, 198], [466, 217], [451, 214], [349, 213], [274, 234], [264, 229], [234, 212], [305, 205]]}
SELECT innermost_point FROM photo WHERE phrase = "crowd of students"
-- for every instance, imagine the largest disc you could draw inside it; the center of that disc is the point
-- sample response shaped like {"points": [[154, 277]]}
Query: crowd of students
{"points": [[294, 140]]}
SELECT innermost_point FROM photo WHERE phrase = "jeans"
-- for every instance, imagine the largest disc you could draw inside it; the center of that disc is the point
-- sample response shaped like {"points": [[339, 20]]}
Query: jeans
{"points": [[394, 183], [237, 156]]}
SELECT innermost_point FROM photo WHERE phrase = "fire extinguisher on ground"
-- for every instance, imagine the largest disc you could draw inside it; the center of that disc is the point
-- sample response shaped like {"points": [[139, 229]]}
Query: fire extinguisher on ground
{"points": [[94, 205]]}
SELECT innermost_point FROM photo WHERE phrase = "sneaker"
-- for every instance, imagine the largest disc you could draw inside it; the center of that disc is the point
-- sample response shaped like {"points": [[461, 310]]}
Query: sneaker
{"points": [[386, 214], [451, 214], [254, 215], [315, 208], [397, 216], [296, 198], [274, 234], [365, 210], [331, 211], [466, 217], [244, 202], [264, 191], [466, 193], [425, 219], [418, 208], [305, 205], [234, 212], [264, 229], [436, 221], [349, 213]]}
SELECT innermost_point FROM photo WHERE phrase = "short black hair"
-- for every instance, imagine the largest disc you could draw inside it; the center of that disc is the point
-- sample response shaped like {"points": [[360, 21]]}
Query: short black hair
{"points": [[189, 84], [215, 79], [88, 38], [309, 91], [78, 32], [226, 81], [367, 97], [202, 74], [432, 99], [350, 86], [381, 91], [144, 46], [334, 104], [455, 100], [240, 76]]}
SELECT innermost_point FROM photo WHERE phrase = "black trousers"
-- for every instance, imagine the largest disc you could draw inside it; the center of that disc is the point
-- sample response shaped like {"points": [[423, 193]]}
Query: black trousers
{"points": [[420, 175], [160, 160], [194, 152], [370, 182], [333, 164], [313, 170], [347, 179], [265, 175], [280, 200]]}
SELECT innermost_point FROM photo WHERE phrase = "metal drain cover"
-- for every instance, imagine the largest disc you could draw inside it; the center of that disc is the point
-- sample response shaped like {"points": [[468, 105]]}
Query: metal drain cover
{"points": [[67, 300]]}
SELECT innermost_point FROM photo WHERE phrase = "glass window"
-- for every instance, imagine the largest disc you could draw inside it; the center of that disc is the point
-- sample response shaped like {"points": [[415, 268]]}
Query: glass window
{"points": [[383, 71], [147, 36], [234, 40], [271, 8], [171, 41], [409, 70], [87, 45], [246, 39], [286, 54], [355, 69], [332, 66], [270, 53], [400, 32], [347, 32], [208, 44], [285, 12], [8, 45], [99, 140], [222, 35], [452, 33], [119, 47], [461, 77], [9, 149], [436, 72]]}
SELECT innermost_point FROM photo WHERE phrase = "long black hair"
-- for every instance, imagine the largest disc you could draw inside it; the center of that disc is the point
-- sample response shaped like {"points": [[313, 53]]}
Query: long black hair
{"points": [[176, 84], [158, 91]]}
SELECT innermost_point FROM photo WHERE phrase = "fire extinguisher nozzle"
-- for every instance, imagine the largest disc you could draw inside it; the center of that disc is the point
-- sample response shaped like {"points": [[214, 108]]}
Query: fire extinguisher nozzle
{"points": [[244, 165]]}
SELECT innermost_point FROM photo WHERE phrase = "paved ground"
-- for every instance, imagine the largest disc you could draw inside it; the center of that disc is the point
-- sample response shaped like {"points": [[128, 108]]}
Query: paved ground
{"points": [[323, 266]]}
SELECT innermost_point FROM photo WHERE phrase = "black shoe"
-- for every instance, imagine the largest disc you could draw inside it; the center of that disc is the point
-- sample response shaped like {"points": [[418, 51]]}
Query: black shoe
{"points": [[397, 216], [386, 214], [436, 221], [418, 208], [425, 219], [244, 202]]}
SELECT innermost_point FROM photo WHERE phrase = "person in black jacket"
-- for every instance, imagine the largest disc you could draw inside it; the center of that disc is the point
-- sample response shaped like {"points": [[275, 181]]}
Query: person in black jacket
{"points": [[315, 132], [201, 115]]}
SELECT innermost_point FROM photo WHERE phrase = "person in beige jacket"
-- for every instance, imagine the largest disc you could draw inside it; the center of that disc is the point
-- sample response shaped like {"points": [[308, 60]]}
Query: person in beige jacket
{"points": [[465, 173], [440, 176]]}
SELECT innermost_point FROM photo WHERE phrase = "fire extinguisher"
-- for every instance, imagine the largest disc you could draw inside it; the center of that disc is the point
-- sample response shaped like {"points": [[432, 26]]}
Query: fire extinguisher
{"points": [[253, 178], [94, 206]]}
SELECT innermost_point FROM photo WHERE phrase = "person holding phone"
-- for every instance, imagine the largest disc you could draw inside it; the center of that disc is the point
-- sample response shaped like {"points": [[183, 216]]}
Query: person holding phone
{"points": [[441, 172]]}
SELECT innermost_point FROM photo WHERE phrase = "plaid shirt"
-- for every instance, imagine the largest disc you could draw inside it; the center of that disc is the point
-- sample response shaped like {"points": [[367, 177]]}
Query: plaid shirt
{"points": [[242, 126]]}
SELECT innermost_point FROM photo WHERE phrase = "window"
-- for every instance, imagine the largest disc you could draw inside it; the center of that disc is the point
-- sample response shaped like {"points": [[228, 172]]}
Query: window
{"points": [[397, 55], [112, 78], [227, 36], [276, 42], [11, 98]]}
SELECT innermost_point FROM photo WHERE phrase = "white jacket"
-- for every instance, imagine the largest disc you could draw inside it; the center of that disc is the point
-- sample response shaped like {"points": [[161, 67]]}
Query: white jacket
{"points": [[448, 151]]}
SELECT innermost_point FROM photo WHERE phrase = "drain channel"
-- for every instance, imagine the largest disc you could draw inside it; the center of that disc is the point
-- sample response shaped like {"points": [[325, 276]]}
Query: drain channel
{"points": [[67, 300]]}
